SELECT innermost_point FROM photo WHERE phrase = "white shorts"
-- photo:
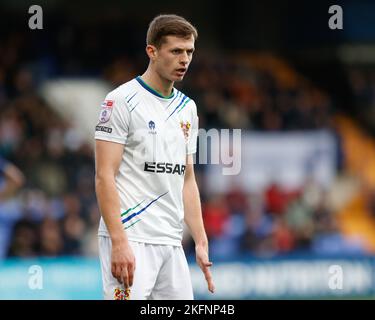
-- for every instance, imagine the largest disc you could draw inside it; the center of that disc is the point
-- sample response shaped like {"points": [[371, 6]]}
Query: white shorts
{"points": [[161, 273]]}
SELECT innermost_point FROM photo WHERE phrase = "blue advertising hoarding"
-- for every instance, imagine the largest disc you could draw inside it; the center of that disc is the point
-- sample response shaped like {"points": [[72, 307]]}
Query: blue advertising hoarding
{"points": [[281, 278]]}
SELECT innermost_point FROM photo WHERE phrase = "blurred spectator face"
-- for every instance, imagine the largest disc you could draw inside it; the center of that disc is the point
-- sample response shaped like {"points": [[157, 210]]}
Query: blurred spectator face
{"points": [[72, 205], [24, 241], [74, 227], [172, 59], [51, 241], [23, 81], [11, 130]]}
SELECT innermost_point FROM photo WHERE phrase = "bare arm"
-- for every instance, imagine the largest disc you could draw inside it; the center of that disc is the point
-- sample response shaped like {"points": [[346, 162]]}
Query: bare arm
{"points": [[108, 157], [14, 180], [194, 220]]}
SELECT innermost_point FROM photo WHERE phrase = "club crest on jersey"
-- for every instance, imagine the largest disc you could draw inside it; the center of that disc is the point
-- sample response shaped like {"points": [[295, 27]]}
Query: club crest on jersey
{"points": [[106, 112], [121, 294], [151, 126], [185, 128]]}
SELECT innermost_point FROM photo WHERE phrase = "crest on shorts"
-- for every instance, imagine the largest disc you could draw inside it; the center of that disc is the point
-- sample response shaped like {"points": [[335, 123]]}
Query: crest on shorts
{"points": [[185, 126], [106, 112], [121, 294]]}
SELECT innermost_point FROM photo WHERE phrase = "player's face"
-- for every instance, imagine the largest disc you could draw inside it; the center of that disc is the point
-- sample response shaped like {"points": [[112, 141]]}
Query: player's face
{"points": [[173, 57]]}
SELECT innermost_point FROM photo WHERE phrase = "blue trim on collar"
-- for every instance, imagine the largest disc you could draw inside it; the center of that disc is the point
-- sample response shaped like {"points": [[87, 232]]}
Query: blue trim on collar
{"points": [[154, 92]]}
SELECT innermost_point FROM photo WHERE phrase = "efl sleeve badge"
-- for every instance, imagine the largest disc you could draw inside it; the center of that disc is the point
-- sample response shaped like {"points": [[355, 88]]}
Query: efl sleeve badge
{"points": [[106, 112]]}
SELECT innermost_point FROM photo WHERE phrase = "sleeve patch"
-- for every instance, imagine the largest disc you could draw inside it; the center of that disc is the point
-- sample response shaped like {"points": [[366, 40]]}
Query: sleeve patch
{"points": [[106, 112]]}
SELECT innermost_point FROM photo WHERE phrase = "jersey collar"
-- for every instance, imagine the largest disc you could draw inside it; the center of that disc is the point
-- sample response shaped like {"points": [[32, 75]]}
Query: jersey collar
{"points": [[153, 91]]}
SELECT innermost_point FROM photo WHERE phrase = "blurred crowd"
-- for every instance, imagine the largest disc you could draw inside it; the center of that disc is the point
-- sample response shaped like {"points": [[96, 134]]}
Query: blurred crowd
{"points": [[249, 91], [362, 82], [275, 222], [55, 211]]}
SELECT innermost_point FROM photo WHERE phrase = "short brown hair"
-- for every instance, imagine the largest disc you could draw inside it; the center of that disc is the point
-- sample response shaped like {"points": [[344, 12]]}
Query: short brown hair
{"points": [[169, 25]]}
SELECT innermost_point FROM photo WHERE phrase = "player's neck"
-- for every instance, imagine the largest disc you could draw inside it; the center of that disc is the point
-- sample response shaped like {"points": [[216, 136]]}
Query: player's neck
{"points": [[160, 85]]}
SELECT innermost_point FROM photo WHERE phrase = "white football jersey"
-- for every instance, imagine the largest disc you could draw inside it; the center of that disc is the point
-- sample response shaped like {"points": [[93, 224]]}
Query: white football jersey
{"points": [[157, 133]]}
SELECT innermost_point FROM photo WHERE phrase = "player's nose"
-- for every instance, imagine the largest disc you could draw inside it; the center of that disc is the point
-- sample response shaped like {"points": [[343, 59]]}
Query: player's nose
{"points": [[184, 59]]}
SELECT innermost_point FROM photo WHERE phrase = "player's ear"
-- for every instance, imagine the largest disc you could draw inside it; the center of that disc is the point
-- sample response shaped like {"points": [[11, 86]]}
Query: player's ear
{"points": [[151, 51]]}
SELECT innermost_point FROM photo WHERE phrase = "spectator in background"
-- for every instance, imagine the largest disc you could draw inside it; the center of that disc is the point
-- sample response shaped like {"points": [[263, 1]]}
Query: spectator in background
{"points": [[51, 240], [57, 213], [25, 240], [11, 180], [73, 226]]}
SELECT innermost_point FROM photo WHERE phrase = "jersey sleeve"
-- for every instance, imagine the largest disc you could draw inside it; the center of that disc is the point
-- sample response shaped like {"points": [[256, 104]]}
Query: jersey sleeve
{"points": [[113, 122], [192, 144]]}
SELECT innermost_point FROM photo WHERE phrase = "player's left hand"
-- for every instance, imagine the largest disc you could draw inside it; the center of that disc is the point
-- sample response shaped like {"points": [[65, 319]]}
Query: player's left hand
{"points": [[204, 263]]}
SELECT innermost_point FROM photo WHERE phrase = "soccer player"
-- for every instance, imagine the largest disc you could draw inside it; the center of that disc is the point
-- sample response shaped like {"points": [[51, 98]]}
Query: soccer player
{"points": [[145, 182]]}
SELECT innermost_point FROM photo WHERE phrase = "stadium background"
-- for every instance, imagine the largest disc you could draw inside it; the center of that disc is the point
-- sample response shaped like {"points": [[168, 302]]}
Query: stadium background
{"points": [[303, 95]]}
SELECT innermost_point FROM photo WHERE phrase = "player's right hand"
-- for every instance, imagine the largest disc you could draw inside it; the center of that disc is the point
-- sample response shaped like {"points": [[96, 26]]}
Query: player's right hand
{"points": [[123, 263]]}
